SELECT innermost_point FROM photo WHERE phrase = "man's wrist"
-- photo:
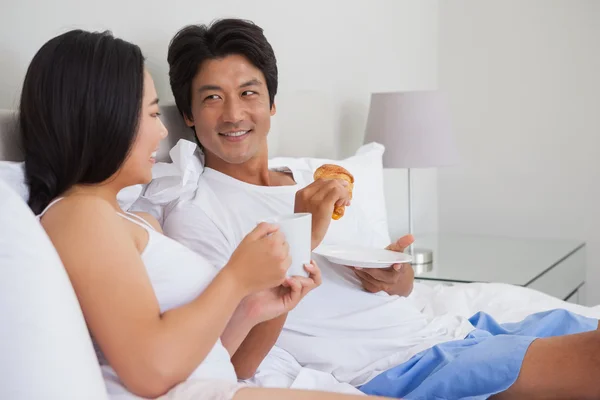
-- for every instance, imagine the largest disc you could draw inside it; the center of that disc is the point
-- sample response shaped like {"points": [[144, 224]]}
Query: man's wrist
{"points": [[402, 289], [314, 244]]}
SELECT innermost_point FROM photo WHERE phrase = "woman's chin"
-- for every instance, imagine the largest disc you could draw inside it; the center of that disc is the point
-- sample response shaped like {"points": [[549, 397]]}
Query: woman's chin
{"points": [[141, 178], [146, 179]]}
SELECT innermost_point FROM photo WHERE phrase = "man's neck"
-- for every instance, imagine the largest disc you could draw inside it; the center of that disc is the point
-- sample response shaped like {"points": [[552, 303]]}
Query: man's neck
{"points": [[254, 171]]}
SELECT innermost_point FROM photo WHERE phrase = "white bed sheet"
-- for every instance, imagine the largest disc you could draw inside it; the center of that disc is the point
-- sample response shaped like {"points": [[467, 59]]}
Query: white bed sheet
{"points": [[506, 303]]}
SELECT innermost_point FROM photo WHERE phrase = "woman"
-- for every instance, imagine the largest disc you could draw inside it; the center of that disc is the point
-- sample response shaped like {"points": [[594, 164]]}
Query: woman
{"points": [[162, 319]]}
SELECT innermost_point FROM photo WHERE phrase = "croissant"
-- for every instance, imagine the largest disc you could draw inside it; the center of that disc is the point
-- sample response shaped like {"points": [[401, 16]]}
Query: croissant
{"points": [[331, 171]]}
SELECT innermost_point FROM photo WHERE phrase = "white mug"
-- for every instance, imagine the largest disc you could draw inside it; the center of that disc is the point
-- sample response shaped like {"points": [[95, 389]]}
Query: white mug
{"points": [[297, 229]]}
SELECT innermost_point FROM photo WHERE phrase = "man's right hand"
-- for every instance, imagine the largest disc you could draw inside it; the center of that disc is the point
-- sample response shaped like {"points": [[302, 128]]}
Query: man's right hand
{"points": [[320, 198]]}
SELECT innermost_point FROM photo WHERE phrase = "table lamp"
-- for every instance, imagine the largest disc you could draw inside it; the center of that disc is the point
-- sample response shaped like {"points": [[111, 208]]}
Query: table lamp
{"points": [[415, 129]]}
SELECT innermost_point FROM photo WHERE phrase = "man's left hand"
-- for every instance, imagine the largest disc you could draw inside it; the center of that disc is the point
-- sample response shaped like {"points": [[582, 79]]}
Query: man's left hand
{"points": [[395, 280]]}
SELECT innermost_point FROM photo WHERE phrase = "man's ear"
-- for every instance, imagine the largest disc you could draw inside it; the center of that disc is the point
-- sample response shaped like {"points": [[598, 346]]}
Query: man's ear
{"points": [[273, 109], [188, 121]]}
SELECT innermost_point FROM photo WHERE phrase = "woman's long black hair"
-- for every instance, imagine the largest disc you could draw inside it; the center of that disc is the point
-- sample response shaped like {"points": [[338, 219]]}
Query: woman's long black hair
{"points": [[79, 111]]}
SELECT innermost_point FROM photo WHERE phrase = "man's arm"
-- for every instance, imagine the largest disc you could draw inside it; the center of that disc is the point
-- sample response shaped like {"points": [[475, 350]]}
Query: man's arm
{"points": [[190, 226], [255, 347], [319, 198]]}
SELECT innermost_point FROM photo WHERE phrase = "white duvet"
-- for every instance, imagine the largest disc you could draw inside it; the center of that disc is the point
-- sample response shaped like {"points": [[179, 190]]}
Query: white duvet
{"points": [[506, 303], [329, 316]]}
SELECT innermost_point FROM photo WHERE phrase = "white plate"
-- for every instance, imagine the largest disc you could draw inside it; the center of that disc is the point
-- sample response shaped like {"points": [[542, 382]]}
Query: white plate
{"points": [[365, 257]]}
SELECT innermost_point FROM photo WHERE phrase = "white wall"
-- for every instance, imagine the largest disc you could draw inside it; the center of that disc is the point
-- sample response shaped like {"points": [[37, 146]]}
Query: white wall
{"points": [[331, 55], [524, 83]]}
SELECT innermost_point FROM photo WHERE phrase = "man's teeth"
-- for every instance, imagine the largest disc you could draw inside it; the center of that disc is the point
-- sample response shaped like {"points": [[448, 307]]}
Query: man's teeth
{"points": [[153, 155], [239, 133]]}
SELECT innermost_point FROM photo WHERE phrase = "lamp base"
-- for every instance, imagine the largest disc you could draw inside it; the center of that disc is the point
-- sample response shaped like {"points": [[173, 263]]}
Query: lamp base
{"points": [[422, 260]]}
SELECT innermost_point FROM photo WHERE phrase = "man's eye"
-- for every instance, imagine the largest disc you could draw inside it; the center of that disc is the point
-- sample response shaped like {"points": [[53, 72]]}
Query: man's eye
{"points": [[212, 97], [249, 93]]}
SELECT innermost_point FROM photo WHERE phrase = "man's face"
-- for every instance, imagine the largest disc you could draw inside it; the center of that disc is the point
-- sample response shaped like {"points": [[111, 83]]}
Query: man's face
{"points": [[230, 110]]}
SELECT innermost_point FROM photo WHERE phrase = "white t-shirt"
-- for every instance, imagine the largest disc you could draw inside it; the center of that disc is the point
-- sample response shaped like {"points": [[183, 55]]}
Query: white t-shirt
{"points": [[337, 328]]}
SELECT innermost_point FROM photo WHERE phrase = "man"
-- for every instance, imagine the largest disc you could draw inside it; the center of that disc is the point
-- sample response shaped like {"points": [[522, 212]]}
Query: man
{"points": [[359, 323]]}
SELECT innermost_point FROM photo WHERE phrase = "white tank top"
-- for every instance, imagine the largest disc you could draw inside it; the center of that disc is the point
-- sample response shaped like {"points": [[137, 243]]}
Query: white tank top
{"points": [[178, 275]]}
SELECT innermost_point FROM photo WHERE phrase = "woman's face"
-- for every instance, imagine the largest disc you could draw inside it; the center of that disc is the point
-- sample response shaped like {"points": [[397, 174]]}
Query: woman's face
{"points": [[137, 168]]}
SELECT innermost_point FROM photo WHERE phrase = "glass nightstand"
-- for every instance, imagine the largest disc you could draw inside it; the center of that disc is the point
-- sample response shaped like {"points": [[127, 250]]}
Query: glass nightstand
{"points": [[555, 267]]}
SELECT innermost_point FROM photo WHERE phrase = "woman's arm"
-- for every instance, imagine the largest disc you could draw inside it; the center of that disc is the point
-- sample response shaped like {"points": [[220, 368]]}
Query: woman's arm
{"points": [[150, 351], [267, 310]]}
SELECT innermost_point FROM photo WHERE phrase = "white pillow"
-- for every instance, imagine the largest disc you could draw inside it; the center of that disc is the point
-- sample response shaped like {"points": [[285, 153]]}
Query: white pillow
{"points": [[13, 173], [45, 347], [172, 180]]}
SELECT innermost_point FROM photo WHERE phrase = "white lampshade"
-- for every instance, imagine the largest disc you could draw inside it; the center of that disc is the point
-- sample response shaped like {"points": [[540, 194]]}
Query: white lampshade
{"points": [[414, 127]]}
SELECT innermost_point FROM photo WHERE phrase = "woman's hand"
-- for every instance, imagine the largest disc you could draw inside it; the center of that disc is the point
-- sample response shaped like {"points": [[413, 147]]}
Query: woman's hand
{"points": [[271, 303]]}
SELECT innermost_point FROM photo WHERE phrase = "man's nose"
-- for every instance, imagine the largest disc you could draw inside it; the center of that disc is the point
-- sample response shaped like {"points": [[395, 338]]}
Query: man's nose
{"points": [[233, 111]]}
